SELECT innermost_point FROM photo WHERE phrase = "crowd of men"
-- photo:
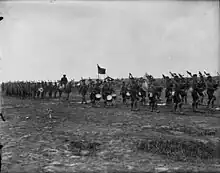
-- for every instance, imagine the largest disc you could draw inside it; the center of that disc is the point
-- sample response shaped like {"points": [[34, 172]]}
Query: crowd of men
{"points": [[176, 89], [33, 90]]}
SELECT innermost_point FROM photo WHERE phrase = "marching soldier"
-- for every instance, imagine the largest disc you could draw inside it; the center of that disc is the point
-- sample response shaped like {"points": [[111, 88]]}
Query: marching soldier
{"points": [[83, 90], [92, 93], [195, 96], [141, 92], [105, 89], [50, 89], [55, 89], [177, 95], [123, 92], [96, 90], [134, 94], [201, 88], [211, 87], [168, 91]]}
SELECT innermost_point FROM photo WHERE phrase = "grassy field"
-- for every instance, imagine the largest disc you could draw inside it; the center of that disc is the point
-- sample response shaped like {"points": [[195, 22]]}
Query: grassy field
{"points": [[81, 138]]}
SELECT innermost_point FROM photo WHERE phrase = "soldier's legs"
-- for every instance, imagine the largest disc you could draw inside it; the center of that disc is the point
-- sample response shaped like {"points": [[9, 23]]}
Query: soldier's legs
{"points": [[132, 103]]}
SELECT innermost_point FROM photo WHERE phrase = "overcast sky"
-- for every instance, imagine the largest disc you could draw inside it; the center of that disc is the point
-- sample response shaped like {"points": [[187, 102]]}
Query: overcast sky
{"points": [[42, 40]]}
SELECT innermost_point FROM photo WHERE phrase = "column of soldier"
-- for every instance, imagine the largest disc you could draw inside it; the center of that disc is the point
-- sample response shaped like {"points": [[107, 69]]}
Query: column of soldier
{"points": [[176, 89]]}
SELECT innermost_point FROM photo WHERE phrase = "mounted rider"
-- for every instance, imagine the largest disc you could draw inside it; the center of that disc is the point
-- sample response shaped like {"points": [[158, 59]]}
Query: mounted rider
{"points": [[63, 81]]}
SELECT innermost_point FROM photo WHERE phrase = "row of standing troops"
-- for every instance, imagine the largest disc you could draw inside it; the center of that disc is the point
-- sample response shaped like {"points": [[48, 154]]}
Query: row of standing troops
{"points": [[31, 89]]}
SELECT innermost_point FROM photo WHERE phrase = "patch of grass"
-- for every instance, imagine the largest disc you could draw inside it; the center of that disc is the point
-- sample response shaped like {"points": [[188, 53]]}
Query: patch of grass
{"points": [[179, 149]]}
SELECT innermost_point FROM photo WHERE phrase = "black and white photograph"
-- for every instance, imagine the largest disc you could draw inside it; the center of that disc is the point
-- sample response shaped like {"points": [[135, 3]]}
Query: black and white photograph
{"points": [[109, 86]]}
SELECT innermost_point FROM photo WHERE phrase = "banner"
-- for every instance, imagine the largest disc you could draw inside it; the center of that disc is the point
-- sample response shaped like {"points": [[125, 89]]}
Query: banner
{"points": [[101, 70]]}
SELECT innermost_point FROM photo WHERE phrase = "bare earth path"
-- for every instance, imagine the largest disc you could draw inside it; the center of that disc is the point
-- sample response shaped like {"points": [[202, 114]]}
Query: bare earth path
{"points": [[34, 142]]}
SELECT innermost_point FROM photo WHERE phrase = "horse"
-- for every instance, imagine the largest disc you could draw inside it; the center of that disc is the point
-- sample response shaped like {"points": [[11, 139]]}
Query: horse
{"points": [[65, 89]]}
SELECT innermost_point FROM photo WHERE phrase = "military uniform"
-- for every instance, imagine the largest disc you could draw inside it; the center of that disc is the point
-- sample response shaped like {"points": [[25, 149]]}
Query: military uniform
{"points": [[134, 94], [83, 91], [194, 94], [211, 87], [123, 92]]}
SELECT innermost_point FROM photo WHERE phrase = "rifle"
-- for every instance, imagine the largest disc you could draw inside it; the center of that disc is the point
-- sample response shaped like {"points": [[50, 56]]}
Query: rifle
{"points": [[130, 76], [207, 74], [181, 76], [171, 74], [189, 73]]}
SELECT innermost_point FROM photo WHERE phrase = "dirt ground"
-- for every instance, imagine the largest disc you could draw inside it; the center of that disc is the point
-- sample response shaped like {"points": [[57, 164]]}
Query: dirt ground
{"points": [[36, 142]]}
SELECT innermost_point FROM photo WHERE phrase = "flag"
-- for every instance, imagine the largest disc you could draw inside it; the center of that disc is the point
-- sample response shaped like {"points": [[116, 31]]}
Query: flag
{"points": [[101, 70], [109, 78]]}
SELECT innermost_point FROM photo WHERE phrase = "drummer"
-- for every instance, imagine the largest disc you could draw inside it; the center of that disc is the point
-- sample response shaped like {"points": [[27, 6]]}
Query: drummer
{"points": [[123, 92], [92, 94], [105, 90], [95, 90], [83, 90], [111, 92], [142, 93]]}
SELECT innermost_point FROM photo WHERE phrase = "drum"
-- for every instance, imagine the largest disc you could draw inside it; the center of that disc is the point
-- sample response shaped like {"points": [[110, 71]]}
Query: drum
{"points": [[113, 96], [41, 89], [109, 98], [139, 94], [98, 96], [128, 94]]}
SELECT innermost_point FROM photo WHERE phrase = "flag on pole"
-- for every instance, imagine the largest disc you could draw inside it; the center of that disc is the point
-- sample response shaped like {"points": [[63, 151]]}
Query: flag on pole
{"points": [[108, 78], [101, 70]]}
